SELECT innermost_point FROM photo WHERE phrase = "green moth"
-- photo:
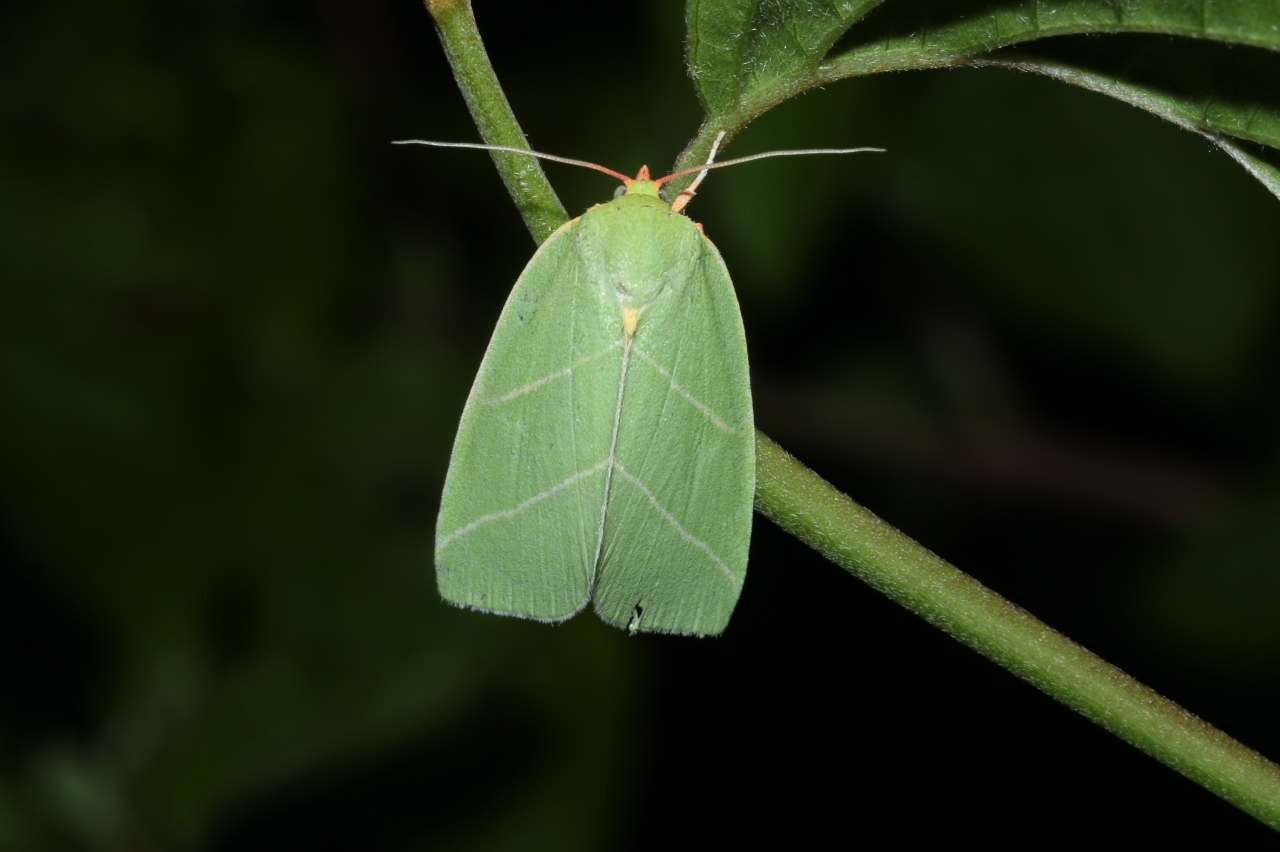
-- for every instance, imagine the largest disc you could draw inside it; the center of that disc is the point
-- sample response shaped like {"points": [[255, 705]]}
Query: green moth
{"points": [[606, 452]]}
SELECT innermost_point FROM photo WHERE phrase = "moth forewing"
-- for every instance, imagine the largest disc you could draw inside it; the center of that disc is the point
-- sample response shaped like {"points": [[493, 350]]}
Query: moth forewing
{"points": [[679, 521], [521, 504]]}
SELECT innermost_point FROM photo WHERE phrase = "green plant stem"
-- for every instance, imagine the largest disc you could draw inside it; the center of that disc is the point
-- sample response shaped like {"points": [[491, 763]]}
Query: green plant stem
{"points": [[523, 176], [799, 501], [803, 504]]}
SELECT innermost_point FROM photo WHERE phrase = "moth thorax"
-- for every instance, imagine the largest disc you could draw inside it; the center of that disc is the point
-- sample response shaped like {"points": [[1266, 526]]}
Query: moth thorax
{"points": [[643, 187]]}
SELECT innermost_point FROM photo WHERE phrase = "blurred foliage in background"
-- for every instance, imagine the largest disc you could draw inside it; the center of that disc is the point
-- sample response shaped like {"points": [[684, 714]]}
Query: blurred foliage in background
{"points": [[237, 328]]}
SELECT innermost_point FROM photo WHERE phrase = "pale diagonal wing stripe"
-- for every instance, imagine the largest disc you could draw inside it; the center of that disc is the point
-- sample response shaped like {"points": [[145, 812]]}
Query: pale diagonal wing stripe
{"points": [[715, 419], [558, 374], [522, 505]]}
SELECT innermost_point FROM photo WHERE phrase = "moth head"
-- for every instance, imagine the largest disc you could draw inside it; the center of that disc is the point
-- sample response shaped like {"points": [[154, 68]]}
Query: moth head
{"points": [[641, 184]]}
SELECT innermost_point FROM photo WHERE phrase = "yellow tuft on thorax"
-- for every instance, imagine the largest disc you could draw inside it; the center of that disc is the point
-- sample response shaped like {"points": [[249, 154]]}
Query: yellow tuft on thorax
{"points": [[630, 318]]}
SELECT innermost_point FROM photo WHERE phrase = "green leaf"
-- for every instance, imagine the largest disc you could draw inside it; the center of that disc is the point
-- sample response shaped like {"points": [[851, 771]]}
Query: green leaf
{"points": [[1199, 85], [737, 47], [1209, 89], [748, 57], [938, 32]]}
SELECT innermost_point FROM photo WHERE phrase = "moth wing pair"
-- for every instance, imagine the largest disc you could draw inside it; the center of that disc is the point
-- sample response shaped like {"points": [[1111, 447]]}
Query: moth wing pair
{"points": [[589, 466]]}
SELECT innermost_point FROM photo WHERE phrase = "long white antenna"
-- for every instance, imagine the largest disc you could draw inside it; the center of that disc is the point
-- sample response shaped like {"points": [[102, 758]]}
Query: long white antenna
{"points": [[685, 196], [706, 167], [509, 149]]}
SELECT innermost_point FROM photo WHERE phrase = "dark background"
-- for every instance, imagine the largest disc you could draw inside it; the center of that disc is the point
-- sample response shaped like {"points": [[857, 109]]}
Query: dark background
{"points": [[237, 328]]}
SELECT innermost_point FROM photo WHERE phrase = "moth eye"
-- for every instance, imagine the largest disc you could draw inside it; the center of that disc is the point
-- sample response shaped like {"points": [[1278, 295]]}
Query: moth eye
{"points": [[662, 193], [619, 192]]}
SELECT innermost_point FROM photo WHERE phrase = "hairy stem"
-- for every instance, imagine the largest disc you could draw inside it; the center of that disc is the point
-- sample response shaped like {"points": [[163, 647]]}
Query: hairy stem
{"points": [[800, 502], [523, 176]]}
